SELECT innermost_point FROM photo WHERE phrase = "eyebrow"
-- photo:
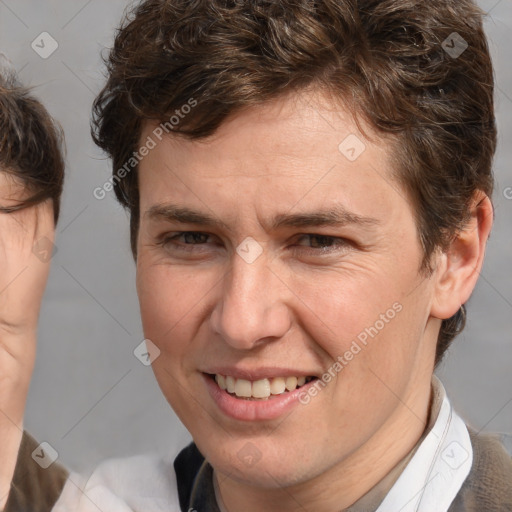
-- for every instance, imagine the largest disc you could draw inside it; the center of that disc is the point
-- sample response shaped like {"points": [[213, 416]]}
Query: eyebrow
{"points": [[336, 216]]}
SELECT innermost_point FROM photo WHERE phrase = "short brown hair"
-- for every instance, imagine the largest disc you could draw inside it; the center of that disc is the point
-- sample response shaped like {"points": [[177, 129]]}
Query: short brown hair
{"points": [[388, 60], [31, 143]]}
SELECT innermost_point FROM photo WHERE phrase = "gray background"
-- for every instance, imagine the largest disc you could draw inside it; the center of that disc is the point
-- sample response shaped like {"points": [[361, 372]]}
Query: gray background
{"points": [[90, 397]]}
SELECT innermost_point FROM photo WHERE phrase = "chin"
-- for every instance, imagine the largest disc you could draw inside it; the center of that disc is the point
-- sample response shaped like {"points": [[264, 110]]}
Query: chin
{"points": [[257, 462]]}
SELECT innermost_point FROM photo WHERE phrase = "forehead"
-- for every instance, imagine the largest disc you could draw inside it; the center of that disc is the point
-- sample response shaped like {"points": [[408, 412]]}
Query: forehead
{"points": [[301, 148], [290, 125]]}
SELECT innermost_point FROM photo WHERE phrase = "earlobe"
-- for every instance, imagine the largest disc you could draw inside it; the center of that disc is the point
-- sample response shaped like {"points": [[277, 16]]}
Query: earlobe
{"points": [[460, 266]]}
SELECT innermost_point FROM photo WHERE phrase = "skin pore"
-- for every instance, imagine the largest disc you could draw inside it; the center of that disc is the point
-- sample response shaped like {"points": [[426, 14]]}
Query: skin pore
{"points": [[300, 304]]}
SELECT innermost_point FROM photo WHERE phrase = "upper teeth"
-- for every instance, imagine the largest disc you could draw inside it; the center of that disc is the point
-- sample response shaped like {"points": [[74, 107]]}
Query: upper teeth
{"points": [[262, 388]]}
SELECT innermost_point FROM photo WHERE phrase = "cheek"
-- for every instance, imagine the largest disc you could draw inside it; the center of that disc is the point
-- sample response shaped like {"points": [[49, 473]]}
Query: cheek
{"points": [[340, 305], [168, 298], [369, 318]]}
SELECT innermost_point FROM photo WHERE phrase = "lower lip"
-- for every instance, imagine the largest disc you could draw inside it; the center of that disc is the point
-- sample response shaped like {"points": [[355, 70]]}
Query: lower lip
{"points": [[254, 410]]}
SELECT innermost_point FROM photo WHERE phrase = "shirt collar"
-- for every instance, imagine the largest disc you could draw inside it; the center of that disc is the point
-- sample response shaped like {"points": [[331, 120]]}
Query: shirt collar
{"points": [[436, 472], [375, 496]]}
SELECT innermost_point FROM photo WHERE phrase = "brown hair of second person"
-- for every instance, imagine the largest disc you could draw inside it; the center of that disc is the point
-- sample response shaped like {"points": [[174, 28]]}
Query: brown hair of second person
{"points": [[31, 144], [383, 59]]}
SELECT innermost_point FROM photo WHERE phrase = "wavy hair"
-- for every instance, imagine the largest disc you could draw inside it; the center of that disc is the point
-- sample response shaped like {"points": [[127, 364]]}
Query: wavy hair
{"points": [[388, 60]]}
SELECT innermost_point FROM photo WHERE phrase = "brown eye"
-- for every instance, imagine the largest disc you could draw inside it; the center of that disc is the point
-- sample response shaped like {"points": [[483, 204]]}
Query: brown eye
{"points": [[184, 241], [324, 243]]}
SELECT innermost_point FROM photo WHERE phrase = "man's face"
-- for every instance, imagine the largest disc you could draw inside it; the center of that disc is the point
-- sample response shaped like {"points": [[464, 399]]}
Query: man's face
{"points": [[258, 297]]}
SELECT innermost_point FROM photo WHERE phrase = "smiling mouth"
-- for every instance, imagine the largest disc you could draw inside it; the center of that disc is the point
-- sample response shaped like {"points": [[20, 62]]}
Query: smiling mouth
{"points": [[262, 389]]}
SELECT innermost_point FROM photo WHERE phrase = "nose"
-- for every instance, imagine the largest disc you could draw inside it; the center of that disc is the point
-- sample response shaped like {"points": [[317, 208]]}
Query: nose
{"points": [[252, 305]]}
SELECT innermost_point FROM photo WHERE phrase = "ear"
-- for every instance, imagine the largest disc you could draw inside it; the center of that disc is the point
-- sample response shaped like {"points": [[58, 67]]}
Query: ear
{"points": [[460, 266]]}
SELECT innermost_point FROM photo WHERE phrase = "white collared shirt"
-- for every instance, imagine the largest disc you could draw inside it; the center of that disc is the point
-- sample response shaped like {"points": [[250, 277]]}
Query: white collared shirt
{"points": [[436, 472]]}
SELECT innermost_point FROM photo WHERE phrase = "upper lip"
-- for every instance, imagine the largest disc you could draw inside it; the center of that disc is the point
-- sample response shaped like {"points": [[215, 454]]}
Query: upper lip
{"points": [[258, 373]]}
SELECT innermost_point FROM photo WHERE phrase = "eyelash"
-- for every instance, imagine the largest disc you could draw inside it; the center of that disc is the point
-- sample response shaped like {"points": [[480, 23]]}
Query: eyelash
{"points": [[341, 242]]}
